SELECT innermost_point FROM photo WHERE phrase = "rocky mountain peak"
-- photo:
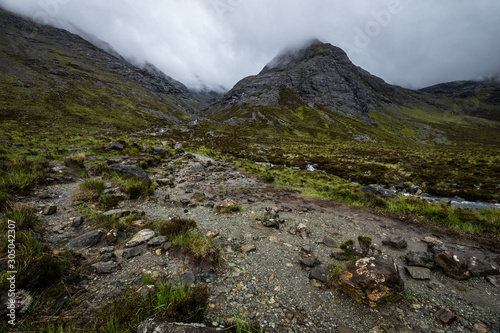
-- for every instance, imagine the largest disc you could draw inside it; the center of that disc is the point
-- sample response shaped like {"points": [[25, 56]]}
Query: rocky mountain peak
{"points": [[314, 74]]}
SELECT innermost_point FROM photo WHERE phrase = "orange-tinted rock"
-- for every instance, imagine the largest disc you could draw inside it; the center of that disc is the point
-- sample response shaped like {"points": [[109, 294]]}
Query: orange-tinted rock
{"points": [[374, 280]]}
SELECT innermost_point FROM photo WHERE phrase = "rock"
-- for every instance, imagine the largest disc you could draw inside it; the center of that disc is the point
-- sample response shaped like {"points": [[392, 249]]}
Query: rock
{"points": [[431, 241], [225, 205], [157, 241], [154, 326], [132, 170], [198, 168], [340, 254], [107, 267], [132, 252], [397, 242], [198, 197], [480, 327], [379, 191], [445, 316], [77, 221], [330, 242], [375, 280], [185, 202], [303, 230], [309, 260], [141, 237], [86, 240], [480, 268], [419, 273], [111, 236], [108, 257], [245, 248], [160, 151], [188, 278], [49, 210], [422, 259], [437, 249], [167, 246], [453, 265], [106, 249], [494, 280], [117, 213], [115, 146], [320, 272]]}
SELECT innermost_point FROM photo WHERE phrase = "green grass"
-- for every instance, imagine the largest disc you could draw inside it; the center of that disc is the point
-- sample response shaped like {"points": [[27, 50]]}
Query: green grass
{"points": [[201, 248], [175, 227]]}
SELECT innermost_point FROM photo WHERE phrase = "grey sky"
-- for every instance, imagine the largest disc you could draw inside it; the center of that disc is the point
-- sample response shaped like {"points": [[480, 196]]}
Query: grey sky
{"points": [[406, 42]]}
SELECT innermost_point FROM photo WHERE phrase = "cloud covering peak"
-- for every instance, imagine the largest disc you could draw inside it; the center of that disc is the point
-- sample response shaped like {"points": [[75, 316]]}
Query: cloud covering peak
{"points": [[218, 42]]}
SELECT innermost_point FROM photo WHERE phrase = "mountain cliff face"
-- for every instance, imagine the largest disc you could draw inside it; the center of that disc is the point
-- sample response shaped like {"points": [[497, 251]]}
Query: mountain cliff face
{"points": [[317, 74], [48, 74]]}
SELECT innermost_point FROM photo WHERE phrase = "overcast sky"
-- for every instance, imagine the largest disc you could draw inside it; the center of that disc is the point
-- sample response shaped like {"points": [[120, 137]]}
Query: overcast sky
{"points": [[413, 43]]}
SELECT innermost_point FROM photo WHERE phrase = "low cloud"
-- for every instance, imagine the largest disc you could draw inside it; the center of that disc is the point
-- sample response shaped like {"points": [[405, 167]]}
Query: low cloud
{"points": [[218, 42]]}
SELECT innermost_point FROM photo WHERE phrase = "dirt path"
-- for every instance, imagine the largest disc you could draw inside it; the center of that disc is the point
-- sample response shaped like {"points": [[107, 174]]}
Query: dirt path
{"points": [[269, 285]]}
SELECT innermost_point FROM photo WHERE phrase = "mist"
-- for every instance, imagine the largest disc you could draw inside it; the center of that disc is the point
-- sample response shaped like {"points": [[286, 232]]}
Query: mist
{"points": [[216, 43]]}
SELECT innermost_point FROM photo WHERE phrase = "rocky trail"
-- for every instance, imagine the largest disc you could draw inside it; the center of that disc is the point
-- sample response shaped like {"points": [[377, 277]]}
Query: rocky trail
{"points": [[276, 251]]}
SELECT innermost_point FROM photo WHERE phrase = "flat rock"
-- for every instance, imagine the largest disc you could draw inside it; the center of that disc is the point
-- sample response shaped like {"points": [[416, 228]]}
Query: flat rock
{"points": [[115, 146], [245, 248], [453, 265], [374, 280], [445, 316], [77, 221], [106, 267], [420, 258], [132, 252], [154, 326], [188, 278], [117, 213], [141, 237], [320, 272], [330, 242], [132, 170], [86, 240], [309, 260], [431, 241], [157, 241], [397, 242], [419, 273], [480, 268], [198, 197], [49, 210]]}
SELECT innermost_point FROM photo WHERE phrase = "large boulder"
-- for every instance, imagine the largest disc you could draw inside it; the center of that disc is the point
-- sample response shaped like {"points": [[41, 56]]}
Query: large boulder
{"points": [[131, 170], [372, 280], [453, 265], [154, 326], [86, 240]]}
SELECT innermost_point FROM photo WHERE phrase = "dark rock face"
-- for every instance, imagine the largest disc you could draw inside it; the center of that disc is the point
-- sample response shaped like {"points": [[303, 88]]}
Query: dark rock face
{"points": [[154, 326], [126, 169], [445, 316], [453, 265], [317, 73], [379, 191], [106, 267], [375, 280], [86, 240], [480, 268], [115, 146], [422, 259], [320, 273], [397, 242]]}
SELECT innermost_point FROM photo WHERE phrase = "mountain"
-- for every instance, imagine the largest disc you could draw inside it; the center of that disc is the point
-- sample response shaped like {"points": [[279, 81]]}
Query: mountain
{"points": [[316, 91], [316, 74], [483, 97], [52, 79]]}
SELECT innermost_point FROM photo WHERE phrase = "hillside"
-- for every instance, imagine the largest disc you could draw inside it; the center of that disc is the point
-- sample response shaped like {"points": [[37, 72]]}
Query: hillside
{"points": [[52, 80]]}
